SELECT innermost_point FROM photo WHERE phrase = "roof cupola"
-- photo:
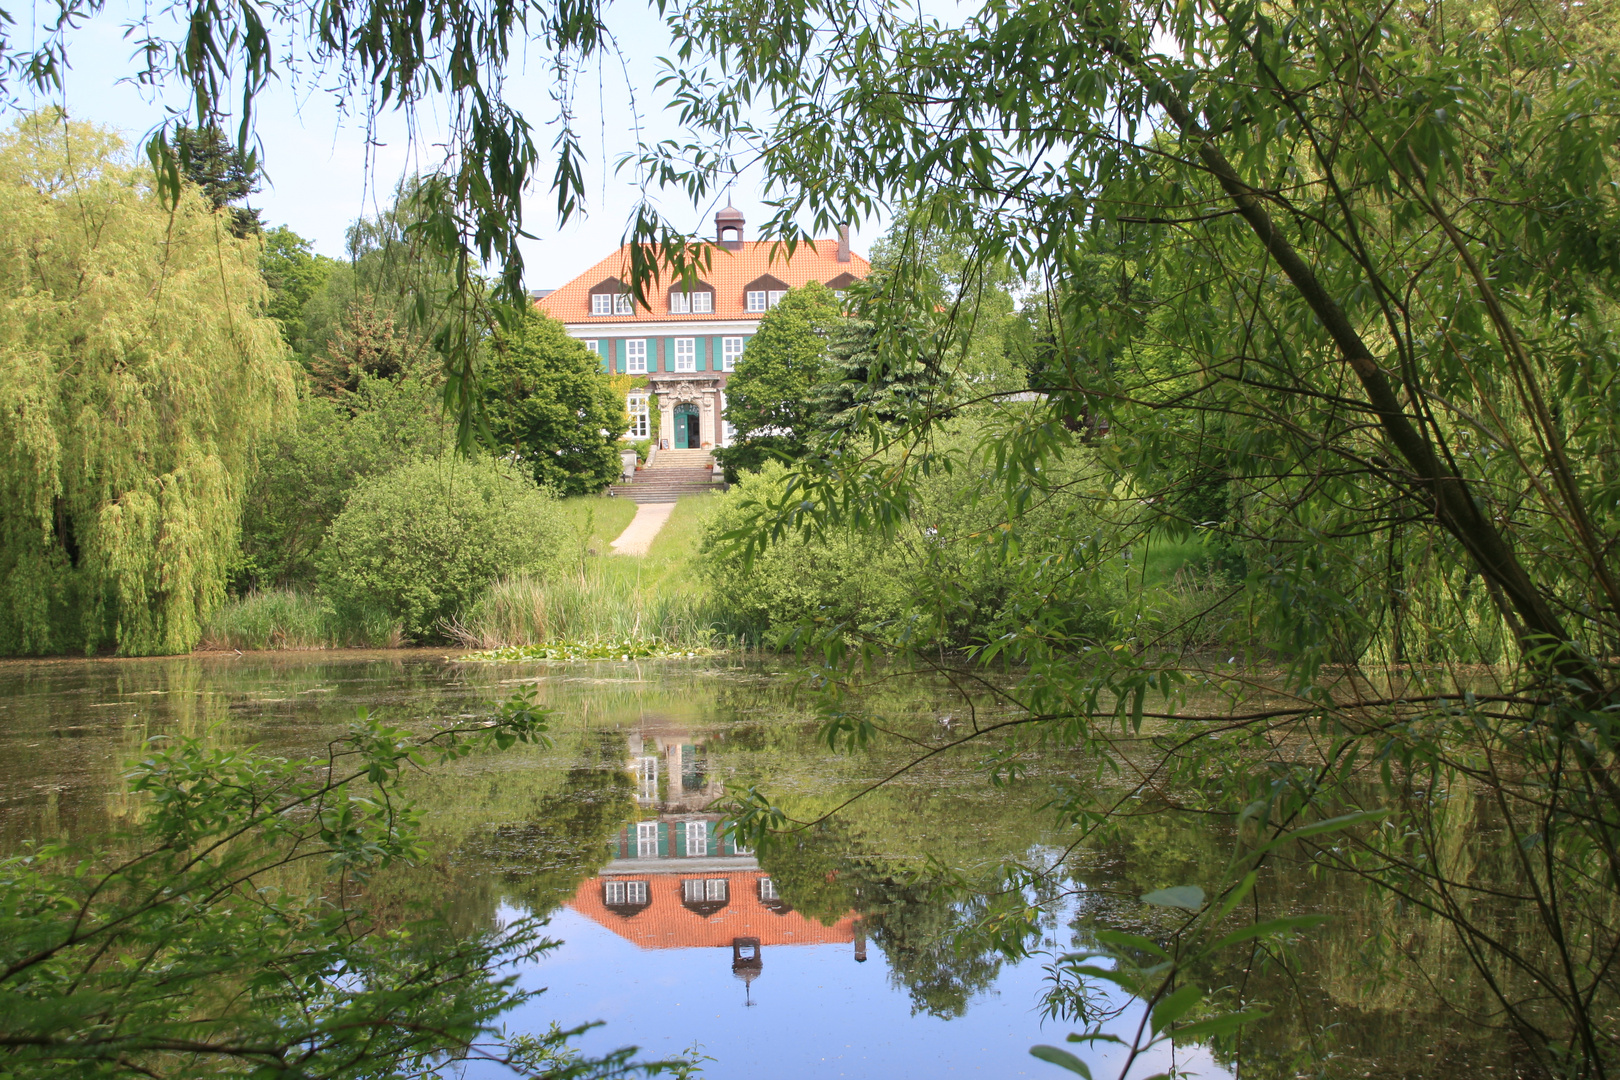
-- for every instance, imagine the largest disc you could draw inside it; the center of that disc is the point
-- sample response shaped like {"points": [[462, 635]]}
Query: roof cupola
{"points": [[728, 228]]}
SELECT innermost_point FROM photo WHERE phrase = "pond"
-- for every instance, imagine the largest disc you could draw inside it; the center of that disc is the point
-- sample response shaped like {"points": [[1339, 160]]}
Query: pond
{"points": [[843, 953]]}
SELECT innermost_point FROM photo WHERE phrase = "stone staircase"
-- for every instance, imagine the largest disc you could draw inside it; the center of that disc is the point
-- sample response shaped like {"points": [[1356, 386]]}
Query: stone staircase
{"points": [[673, 473]]}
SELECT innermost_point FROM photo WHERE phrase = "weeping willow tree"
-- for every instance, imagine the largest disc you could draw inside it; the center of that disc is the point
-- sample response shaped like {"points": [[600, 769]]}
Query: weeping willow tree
{"points": [[136, 373]]}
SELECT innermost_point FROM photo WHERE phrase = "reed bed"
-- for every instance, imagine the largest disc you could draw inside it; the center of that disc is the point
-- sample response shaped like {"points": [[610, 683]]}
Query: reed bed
{"points": [[295, 619]]}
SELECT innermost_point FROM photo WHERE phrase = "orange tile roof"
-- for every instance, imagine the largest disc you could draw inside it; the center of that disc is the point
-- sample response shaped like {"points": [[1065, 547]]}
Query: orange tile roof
{"points": [[666, 923], [728, 274]]}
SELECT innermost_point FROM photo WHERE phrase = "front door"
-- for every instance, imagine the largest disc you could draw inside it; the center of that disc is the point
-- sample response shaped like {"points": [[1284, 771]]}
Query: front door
{"points": [[686, 427]]}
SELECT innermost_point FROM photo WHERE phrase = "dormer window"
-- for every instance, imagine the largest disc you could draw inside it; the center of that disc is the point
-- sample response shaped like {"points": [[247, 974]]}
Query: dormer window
{"points": [[610, 297], [698, 301], [764, 293]]}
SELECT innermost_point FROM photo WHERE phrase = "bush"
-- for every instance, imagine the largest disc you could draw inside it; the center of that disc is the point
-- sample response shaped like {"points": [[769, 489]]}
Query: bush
{"points": [[425, 540], [842, 576], [306, 474]]}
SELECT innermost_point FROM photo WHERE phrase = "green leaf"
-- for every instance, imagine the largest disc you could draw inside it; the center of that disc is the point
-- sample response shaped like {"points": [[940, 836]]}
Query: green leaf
{"points": [[1061, 1058], [1218, 1025], [1269, 926], [1117, 939], [1175, 1006], [1189, 897]]}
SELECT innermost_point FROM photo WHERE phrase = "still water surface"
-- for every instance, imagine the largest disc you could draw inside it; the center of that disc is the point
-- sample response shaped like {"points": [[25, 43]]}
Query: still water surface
{"points": [[837, 956]]}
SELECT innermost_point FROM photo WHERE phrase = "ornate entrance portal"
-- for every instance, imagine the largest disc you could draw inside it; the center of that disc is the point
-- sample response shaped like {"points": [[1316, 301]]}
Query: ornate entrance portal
{"points": [[687, 433]]}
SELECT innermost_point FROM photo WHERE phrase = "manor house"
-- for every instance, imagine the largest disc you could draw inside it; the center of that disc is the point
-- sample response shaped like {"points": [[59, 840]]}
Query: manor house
{"points": [[682, 347]]}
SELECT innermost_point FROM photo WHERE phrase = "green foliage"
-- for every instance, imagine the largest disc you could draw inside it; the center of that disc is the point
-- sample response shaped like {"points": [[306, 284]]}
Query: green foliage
{"points": [[136, 380], [552, 408], [294, 274], [659, 599], [940, 573], [183, 947], [308, 469], [1336, 284], [366, 343], [424, 541], [768, 396], [844, 578], [293, 618], [598, 649], [223, 172]]}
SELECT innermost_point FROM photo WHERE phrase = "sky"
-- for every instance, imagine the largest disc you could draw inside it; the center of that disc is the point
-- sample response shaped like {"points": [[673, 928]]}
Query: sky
{"points": [[321, 171]]}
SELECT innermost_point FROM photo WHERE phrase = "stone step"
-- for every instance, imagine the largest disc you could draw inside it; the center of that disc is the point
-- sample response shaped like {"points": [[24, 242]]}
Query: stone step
{"points": [[674, 474], [643, 493]]}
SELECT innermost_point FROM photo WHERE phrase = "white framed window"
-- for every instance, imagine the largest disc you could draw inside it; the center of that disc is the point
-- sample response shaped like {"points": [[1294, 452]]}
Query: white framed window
{"points": [[767, 889], [646, 777], [730, 349], [702, 303], [594, 346], [640, 426], [728, 430], [698, 890], [601, 303], [685, 354], [775, 297], [646, 839], [756, 300], [697, 838], [621, 305], [624, 892], [635, 356], [679, 303], [838, 295]]}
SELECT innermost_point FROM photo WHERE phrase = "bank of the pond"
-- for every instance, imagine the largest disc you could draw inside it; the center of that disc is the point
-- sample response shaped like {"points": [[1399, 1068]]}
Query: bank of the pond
{"points": [[593, 596]]}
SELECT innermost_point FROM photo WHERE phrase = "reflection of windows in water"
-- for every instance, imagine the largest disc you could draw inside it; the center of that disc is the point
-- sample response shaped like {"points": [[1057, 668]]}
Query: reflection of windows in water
{"points": [[647, 777], [699, 890], [626, 892], [647, 840], [694, 768], [697, 837], [767, 889]]}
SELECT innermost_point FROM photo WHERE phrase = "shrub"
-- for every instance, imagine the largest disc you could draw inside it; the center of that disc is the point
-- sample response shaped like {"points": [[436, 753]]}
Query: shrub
{"points": [[423, 541]]}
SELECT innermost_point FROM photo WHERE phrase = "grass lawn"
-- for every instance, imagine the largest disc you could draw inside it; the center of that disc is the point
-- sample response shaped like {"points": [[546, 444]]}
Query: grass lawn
{"points": [[598, 518]]}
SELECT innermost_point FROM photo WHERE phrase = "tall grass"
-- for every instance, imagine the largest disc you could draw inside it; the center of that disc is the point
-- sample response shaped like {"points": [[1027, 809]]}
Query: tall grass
{"points": [[656, 597], [659, 596], [596, 605], [294, 619]]}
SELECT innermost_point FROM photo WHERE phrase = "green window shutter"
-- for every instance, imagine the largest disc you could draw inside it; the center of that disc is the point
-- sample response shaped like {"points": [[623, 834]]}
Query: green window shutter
{"points": [[700, 350], [669, 354], [663, 838], [616, 347]]}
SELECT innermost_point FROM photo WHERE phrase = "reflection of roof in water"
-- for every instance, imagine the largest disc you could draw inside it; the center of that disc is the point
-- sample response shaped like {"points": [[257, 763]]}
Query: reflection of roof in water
{"points": [[666, 922]]}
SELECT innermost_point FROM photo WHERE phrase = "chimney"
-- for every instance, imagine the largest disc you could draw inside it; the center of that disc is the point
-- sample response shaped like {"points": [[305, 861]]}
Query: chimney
{"points": [[728, 228], [843, 243]]}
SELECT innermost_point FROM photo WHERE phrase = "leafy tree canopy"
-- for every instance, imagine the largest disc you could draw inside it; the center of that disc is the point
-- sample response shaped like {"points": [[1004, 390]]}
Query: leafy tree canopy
{"points": [[1356, 265], [138, 377], [294, 274], [768, 396], [225, 173], [551, 406]]}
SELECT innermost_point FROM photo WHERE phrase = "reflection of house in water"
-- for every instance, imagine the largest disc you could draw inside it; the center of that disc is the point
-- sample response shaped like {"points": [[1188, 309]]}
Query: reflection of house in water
{"points": [[671, 769], [675, 883]]}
